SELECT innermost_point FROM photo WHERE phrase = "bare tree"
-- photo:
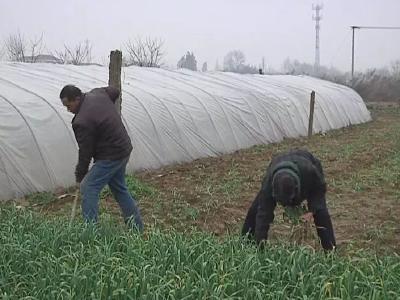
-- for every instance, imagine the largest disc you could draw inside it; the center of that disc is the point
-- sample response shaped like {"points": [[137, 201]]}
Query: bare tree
{"points": [[18, 48], [36, 47], [15, 46], [81, 53], [62, 56], [77, 55], [145, 53]]}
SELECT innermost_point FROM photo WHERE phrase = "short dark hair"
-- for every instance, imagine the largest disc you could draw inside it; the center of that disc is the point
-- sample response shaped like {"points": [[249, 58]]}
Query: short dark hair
{"points": [[70, 92], [285, 188]]}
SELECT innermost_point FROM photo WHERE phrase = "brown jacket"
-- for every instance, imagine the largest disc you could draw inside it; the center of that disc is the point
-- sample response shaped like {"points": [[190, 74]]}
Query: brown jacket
{"points": [[99, 130]]}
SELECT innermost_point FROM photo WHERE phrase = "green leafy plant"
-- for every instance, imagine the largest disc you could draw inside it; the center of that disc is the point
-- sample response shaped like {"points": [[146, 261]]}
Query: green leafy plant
{"points": [[45, 259]]}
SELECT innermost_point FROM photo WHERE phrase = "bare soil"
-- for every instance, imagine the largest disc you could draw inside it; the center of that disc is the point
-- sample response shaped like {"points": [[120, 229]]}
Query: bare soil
{"points": [[362, 168]]}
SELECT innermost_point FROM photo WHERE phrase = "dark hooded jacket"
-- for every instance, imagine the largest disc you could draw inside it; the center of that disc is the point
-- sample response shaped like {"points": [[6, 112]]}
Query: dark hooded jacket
{"points": [[99, 130], [312, 188]]}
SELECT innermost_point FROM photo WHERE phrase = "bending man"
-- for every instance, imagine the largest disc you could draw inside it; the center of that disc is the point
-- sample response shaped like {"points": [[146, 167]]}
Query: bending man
{"points": [[291, 178]]}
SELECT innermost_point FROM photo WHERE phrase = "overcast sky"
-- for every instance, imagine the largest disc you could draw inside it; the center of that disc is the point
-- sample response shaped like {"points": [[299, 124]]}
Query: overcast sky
{"points": [[275, 29]]}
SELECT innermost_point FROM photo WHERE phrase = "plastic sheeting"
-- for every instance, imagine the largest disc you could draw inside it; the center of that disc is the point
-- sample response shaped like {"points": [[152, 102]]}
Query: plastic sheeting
{"points": [[171, 117]]}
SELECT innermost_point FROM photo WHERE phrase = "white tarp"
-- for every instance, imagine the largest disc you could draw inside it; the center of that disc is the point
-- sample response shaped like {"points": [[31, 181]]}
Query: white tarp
{"points": [[171, 117]]}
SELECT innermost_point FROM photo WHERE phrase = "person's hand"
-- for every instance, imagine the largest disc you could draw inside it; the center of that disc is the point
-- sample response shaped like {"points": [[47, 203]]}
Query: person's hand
{"points": [[307, 217]]}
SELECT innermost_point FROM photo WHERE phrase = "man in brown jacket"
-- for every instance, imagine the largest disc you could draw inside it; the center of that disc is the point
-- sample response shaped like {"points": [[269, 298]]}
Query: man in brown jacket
{"points": [[101, 136]]}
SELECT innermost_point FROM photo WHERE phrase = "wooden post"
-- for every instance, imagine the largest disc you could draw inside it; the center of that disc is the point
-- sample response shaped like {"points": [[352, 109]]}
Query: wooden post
{"points": [[311, 117], [114, 78], [352, 55]]}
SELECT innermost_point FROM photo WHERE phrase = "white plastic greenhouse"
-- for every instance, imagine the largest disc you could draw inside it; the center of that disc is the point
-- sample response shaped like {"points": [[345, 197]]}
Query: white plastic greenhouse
{"points": [[171, 117]]}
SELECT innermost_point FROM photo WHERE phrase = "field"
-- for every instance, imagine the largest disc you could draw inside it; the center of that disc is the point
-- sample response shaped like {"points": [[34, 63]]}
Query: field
{"points": [[193, 214], [362, 166], [44, 259]]}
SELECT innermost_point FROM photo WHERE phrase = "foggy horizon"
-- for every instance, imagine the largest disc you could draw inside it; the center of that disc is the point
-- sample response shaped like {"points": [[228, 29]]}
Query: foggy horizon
{"points": [[275, 30]]}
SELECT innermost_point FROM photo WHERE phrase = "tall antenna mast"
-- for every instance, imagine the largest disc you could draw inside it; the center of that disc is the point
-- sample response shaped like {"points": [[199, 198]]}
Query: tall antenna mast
{"points": [[317, 17]]}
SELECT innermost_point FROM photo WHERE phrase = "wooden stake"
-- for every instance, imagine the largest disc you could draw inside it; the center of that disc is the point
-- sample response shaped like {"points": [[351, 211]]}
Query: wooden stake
{"points": [[74, 204], [311, 117], [114, 78]]}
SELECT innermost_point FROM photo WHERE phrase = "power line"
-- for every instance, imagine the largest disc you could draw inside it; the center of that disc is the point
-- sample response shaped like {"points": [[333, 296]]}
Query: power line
{"points": [[374, 27]]}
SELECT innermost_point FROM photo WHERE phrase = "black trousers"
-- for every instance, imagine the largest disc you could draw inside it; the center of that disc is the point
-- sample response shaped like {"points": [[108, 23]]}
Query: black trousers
{"points": [[322, 221]]}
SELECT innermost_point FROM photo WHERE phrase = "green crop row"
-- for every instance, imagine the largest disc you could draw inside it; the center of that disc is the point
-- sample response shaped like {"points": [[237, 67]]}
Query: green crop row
{"points": [[45, 259]]}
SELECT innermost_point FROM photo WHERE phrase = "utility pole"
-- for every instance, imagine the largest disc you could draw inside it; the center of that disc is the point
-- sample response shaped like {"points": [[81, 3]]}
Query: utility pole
{"points": [[317, 17], [352, 52], [352, 43]]}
